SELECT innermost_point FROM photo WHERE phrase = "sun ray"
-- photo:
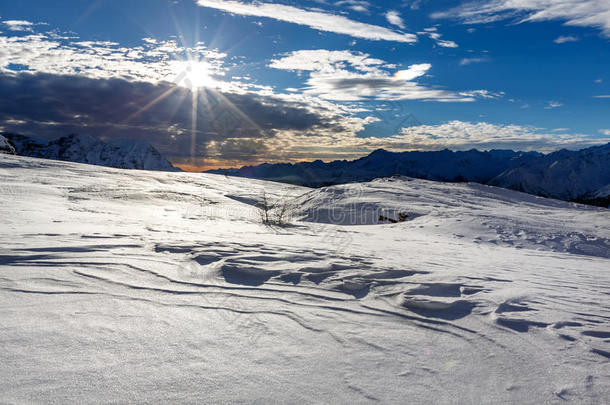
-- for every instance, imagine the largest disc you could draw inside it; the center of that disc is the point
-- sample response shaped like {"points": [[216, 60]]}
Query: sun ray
{"points": [[92, 7], [236, 110], [239, 43], [178, 103], [194, 110], [162, 96], [177, 26]]}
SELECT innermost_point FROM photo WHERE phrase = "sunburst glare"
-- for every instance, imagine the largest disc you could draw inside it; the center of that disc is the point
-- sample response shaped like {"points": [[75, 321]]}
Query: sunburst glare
{"points": [[192, 74]]}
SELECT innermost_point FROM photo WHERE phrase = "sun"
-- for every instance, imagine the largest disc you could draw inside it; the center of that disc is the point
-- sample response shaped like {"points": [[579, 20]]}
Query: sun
{"points": [[192, 74]]}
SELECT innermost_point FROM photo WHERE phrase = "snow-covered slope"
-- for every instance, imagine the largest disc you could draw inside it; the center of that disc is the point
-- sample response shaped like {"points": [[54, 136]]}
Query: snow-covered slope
{"points": [[125, 154], [5, 146], [567, 175], [442, 165], [123, 286]]}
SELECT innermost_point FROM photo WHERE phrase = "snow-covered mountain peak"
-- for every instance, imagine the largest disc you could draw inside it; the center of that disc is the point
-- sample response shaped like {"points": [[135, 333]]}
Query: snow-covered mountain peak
{"points": [[6, 147], [122, 153], [565, 174]]}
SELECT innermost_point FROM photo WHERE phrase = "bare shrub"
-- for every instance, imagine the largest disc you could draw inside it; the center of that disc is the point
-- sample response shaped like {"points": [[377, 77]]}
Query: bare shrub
{"points": [[274, 212], [402, 217]]}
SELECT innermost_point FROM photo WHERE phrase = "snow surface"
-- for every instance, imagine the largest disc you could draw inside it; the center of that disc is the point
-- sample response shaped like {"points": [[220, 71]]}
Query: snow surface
{"points": [[136, 286]]}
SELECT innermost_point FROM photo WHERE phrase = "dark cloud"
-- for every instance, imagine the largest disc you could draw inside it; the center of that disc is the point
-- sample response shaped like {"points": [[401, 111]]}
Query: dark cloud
{"points": [[49, 106]]}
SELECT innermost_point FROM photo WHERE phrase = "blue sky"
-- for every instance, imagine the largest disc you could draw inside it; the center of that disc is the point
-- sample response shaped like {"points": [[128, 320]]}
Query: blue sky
{"points": [[225, 83]]}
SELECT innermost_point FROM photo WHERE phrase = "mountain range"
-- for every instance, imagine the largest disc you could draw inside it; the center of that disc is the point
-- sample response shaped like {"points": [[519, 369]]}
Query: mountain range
{"points": [[121, 153], [582, 176]]}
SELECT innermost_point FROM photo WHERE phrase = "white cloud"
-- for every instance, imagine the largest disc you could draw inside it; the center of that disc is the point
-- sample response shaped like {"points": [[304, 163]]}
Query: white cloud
{"points": [[354, 76], [415, 4], [482, 94], [153, 61], [18, 25], [602, 96], [446, 44], [562, 39], [314, 19], [323, 60], [349, 86], [582, 13], [455, 135], [412, 72], [356, 5], [394, 18], [600, 80], [434, 35], [605, 132], [459, 135], [470, 61], [553, 104]]}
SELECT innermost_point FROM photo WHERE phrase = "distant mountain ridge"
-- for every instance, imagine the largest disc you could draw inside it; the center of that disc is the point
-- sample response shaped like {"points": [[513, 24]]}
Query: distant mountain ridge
{"points": [[123, 153], [444, 165], [6, 147], [582, 176]]}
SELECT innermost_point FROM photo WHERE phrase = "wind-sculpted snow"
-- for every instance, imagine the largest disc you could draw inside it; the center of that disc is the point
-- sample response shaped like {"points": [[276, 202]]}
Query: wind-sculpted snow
{"points": [[119, 286]]}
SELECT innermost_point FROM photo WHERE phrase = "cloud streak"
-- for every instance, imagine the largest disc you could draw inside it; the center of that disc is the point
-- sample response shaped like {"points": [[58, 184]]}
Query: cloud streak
{"points": [[356, 5], [562, 39], [581, 13], [553, 104], [470, 61], [318, 20], [354, 76], [18, 25], [434, 35]]}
